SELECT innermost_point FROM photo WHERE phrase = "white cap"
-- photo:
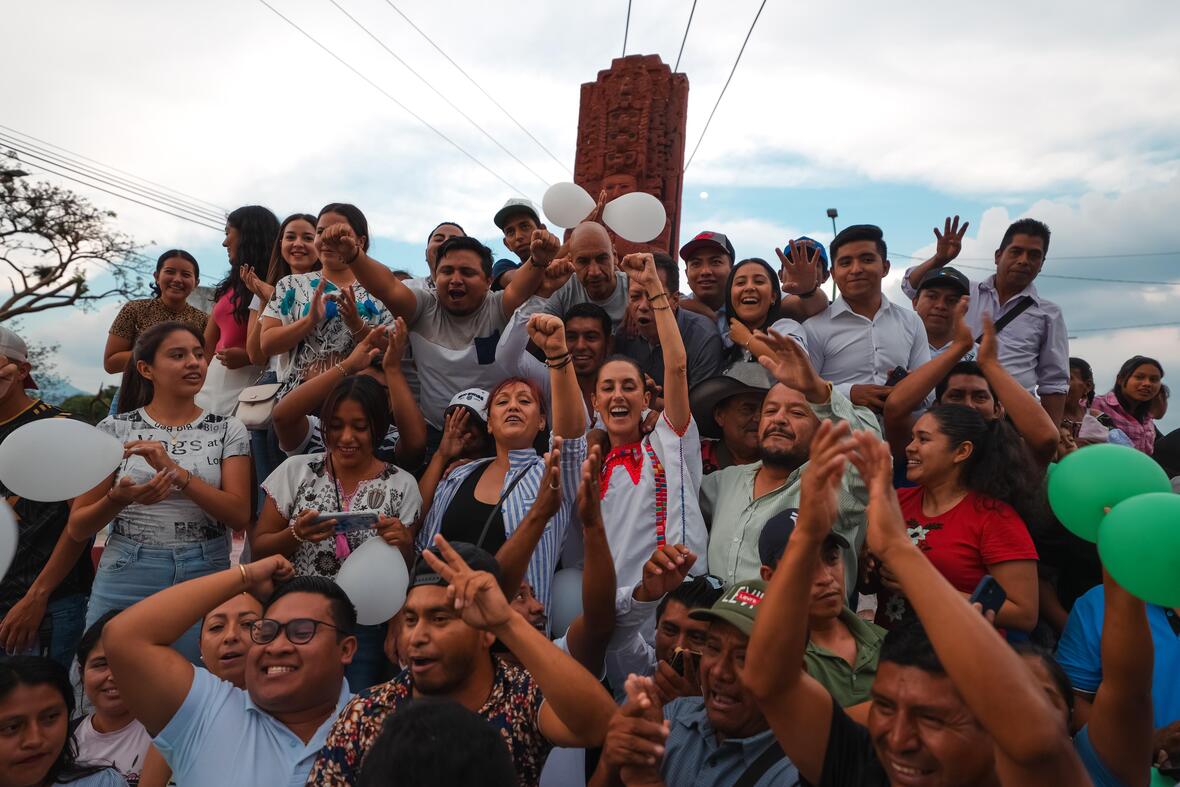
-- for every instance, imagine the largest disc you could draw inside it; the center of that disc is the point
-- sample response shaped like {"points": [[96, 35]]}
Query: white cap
{"points": [[474, 399], [15, 350], [515, 205]]}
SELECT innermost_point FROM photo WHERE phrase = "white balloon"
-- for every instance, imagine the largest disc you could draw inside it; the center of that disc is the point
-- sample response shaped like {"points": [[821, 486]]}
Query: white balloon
{"points": [[8, 536], [566, 204], [565, 600], [638, 216], [56, 459], [375, 578]]}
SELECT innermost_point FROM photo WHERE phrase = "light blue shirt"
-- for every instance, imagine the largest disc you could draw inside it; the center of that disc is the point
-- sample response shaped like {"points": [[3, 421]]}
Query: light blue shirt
{"points": [[220, 737], [104, 778], [694, 758]]}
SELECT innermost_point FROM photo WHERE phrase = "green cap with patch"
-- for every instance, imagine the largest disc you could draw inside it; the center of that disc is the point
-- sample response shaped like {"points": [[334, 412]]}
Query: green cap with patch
{"points": [[737, 607]]}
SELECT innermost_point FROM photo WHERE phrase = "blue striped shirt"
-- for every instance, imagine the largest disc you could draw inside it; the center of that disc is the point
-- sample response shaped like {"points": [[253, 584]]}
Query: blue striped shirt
{"points": [[543, 562]]}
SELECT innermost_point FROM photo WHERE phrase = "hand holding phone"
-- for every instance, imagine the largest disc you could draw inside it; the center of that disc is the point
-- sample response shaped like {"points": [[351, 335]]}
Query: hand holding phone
{"points": [[989, 594], [347, 521]]}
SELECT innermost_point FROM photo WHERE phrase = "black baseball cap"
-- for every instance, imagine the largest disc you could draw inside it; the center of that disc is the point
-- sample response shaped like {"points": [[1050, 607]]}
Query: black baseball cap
{"points": [[772, 542], [478, 559], [946, 277], [708, 238]]}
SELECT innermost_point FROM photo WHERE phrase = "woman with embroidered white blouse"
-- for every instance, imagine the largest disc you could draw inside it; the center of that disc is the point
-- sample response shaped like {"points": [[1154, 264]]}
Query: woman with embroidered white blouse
{"points": [[649, 482]]}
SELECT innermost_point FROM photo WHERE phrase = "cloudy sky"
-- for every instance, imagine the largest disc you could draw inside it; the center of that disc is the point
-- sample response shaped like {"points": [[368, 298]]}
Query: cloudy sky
{"points": [[894, 114]]}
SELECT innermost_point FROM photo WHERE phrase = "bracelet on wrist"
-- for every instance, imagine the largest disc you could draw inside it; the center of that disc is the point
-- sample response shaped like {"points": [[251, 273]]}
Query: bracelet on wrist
{"points": [[810, 292], [295, 534], [560, 364], [188, 477], [340, 368], [559, 356]]}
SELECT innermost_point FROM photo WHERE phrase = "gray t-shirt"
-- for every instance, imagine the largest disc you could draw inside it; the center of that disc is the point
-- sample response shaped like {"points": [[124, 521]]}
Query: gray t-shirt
{"points": [[572, 293], [454, 352], [199, 447]]}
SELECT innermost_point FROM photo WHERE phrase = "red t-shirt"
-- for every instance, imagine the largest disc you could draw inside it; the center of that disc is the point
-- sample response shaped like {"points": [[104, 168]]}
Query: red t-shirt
{"points": [[961, 543]]}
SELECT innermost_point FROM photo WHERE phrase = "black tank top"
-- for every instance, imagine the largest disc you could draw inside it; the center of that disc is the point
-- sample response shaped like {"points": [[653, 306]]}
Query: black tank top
{"points": [[465, 517]]}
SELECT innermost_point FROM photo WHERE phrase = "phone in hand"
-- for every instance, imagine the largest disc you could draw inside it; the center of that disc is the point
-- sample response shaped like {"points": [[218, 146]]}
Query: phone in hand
{"points": [[681, 656], [896, 376], [989, 594], [347, 521]]}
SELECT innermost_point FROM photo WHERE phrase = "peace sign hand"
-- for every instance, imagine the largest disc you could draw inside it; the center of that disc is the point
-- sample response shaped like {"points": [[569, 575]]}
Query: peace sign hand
{"points": [[950, 241], [475, 594]]}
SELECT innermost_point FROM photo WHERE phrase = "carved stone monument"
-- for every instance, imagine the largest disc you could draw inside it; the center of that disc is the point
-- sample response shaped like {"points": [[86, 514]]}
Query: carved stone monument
{"points": [[631, 138]]}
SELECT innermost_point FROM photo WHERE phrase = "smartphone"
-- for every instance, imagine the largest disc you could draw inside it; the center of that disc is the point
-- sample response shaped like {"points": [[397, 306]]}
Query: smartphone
{"points": [[896, 376], [347, 521], [681, 656], [989, 593]]}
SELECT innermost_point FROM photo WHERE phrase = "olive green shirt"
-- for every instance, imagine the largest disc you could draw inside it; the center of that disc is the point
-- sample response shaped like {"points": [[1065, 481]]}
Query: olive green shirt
{"points": [[849, 685]]}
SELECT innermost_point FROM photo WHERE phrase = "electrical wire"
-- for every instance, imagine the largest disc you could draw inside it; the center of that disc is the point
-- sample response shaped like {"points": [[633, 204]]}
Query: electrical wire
{"points": [[627, 28], [437, 92], [478, 86], [40, 154], [691, 11], [1124, 327], [724, 87], [1073, 277], [389, 96], [195, 200]]}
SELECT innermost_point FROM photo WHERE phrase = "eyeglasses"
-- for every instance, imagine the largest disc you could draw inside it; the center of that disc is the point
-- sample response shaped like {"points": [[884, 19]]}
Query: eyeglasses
{"points": [[299, 631]]}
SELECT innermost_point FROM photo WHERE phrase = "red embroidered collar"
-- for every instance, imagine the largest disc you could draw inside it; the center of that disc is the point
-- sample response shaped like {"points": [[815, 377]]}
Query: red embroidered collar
{"points": [[629, 456]]}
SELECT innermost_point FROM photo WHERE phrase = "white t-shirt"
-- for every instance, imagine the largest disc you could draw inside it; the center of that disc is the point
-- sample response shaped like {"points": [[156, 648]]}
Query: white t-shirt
{"points": [[454, 352], [631, 507], [302, 483], [199, 447], [572, 293], [124, 750], [331, 341]]}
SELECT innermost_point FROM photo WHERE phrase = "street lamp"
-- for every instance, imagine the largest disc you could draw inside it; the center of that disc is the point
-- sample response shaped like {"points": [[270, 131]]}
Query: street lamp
{"points": [[832, 214]]}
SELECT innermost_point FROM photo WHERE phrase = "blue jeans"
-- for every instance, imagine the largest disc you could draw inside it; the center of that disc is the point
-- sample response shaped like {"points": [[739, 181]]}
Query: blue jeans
{"points": [[369, 666], [129, 572]]}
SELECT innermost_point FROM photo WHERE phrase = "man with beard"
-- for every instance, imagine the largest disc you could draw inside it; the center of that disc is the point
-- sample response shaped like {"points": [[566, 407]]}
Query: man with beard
{"points": [[596, 275], [454, 328], [739, 500], [454, 611], [1033, 345]]}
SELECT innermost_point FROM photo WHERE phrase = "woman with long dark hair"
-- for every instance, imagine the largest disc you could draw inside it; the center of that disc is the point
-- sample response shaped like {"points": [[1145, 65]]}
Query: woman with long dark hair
{"points": [[753, 301], [977, 486], [184, 482], [1128, 404], [320, 317], [177, 275], [1078, 417], [250, 233], [36, 703], [346, 478]]}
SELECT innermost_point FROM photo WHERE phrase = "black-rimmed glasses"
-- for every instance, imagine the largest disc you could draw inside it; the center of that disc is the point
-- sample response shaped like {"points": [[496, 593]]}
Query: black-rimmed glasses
{"points": [[299, 631]]}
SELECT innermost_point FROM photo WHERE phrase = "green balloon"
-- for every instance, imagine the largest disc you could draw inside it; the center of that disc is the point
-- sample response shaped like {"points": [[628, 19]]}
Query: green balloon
{"points": [[1098, 477], [1139, 543], [1159, 780]]}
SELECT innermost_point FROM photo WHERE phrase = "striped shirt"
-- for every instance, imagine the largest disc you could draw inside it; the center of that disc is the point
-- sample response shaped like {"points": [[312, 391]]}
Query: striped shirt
{"points": [[543, 562]]}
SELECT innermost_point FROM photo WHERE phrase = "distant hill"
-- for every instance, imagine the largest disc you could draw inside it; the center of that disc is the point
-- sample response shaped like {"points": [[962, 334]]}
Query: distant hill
{"points": [[59, 393]]}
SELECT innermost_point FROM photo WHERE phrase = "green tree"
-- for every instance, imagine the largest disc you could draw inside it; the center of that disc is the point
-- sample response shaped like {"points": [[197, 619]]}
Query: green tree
{"points": [[91, 408], [54, 244]]}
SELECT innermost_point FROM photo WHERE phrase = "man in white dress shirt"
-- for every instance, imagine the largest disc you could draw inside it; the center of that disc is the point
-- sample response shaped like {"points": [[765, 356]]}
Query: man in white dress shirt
{"points": [[1034, 347], [863, 343]]}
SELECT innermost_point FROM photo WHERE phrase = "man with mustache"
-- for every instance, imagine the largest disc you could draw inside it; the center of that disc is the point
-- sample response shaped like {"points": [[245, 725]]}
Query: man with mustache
{"points": [[1034, 346], [739, 500]]}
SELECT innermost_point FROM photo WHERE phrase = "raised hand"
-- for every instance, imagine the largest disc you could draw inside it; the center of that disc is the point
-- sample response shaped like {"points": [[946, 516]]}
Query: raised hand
{"points": [[454, 439], [317, 309], [636, 733], [544, 248], [555, 276], [548, 499], [548, 332], [590, 490], [664, 571], [475, 594], [886, 525], [339, 239], [791, 366], [641, 268], [255, 284], [960, 330], [818, 503], [987, 356], [800, 270], [346, 303], [395, 350], [950, 241], [263, 575], [365, 352]]}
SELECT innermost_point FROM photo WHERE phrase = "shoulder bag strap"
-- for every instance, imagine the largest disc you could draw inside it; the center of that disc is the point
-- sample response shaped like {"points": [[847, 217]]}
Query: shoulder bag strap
{"points": [[760, 766], [499, 504], [1017, 310]]}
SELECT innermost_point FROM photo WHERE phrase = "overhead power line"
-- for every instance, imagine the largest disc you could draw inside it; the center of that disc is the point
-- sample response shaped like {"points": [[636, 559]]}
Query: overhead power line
{"points": [[627, 28], [437, 92], [478, 86], [1124, 327], [40, 154], [1082, 278], [391, 98], [725, 86], [691, 11], [189, 197]]}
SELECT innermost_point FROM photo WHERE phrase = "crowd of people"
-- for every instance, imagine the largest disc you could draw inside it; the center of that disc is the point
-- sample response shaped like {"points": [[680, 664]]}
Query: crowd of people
{"points": [[788, 540]]}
